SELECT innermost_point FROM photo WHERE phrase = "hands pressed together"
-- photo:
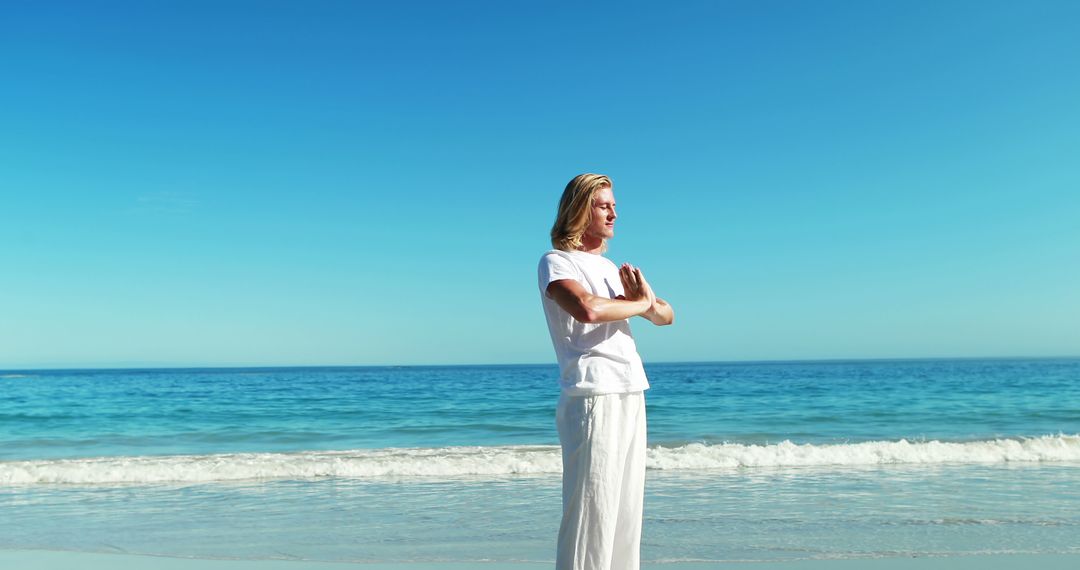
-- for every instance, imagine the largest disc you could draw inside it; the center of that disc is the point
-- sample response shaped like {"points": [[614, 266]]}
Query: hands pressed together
{"points": [[635, 287]]}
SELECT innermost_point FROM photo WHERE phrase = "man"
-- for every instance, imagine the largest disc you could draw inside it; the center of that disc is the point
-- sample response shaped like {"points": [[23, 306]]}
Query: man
{"points": [[588, 302]]}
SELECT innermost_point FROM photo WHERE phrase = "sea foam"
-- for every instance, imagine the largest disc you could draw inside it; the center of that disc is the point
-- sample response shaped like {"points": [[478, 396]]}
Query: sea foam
{"points": [[522, 460]]}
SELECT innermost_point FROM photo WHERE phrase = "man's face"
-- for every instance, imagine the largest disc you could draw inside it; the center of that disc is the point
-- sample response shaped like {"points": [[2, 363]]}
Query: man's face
{"points": [[602, 224]]}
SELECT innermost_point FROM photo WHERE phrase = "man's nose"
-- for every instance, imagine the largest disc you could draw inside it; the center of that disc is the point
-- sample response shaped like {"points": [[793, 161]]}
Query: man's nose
{"points": [[612, 215]]}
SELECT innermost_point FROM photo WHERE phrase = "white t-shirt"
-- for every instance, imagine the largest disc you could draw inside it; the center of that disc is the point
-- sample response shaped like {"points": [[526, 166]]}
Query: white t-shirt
{"points": [[594, 358]]}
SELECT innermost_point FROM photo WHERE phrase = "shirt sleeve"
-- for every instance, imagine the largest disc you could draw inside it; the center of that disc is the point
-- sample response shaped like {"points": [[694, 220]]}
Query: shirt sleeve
{"points": [[554, 267]]}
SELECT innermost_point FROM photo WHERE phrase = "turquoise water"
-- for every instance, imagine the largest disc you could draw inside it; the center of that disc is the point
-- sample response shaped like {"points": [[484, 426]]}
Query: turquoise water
{"points": [[754, 461]]}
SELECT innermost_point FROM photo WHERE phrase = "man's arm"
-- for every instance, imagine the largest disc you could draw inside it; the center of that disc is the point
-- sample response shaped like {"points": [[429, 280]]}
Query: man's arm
{"points": [[660, 313], [589, 308]]}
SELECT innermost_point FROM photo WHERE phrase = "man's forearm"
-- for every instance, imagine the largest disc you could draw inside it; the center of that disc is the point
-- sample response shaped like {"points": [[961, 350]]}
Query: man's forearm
{"points": [[604, 310], [660, 313], [588, 308]]}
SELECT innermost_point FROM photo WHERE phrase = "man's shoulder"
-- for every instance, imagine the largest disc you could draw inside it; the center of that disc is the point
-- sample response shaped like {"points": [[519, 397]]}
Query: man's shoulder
{"points": [[578, 259], [554, 255], [559, 262]]}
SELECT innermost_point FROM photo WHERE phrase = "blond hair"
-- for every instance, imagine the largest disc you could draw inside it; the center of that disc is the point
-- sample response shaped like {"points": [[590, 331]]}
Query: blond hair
{"points": [[575, 210]]}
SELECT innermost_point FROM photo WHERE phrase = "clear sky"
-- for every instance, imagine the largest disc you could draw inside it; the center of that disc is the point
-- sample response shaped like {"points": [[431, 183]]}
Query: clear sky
{"points": [[302, 183]]}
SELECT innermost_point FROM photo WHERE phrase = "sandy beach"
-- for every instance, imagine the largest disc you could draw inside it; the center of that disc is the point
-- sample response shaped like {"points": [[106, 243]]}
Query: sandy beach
{"points": [[49, 560]]}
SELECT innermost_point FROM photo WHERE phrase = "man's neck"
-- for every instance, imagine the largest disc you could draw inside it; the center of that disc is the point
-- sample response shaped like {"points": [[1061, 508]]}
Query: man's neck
{"points": [[592, 244]]}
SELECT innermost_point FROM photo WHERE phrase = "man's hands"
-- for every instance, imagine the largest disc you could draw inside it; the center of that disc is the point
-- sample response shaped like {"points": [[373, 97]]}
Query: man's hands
{"points": [[637, 288]]}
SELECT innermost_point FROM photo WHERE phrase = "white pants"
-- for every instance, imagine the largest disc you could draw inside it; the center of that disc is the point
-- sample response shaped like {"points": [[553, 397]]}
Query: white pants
{"points": [[603, 449]]}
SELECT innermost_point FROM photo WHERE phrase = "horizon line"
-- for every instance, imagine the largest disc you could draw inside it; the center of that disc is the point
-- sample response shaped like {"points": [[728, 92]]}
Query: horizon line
{"points": [[553, 364]]}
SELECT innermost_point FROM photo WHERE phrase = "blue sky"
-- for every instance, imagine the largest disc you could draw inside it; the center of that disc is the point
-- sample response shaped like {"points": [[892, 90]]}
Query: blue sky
{"points": [[305, 183]]}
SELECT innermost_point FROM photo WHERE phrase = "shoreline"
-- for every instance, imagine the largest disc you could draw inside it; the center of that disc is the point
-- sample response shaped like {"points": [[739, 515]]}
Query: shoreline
{"points": [[62, 560]]}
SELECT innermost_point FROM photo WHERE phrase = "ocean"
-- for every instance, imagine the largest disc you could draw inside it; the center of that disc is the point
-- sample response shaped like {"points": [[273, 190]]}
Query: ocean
{"points": [[747, 461]]}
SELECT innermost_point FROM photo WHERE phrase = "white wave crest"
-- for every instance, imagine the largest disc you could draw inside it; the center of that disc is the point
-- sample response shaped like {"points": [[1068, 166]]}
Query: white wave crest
{"points": [[375, 463], [520, 460], [1047, 448]]}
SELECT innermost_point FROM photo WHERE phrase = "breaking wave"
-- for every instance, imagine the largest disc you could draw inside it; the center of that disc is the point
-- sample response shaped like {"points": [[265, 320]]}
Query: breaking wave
{"points": [[522, 460]]}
